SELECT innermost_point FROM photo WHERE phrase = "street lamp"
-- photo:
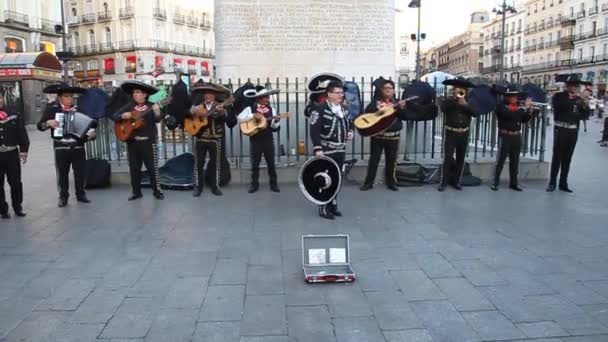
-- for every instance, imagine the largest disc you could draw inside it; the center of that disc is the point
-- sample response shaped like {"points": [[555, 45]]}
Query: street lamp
{"points": [[503, 9], [417, 4]]}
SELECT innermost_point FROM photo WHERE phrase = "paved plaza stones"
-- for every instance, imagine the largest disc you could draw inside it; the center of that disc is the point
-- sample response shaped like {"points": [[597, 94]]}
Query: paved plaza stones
{"points": [[455, 266]]}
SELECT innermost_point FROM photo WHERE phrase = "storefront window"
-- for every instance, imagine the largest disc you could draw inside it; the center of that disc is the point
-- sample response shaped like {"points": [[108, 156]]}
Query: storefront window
{"points": [[13, 45], [47, 47], [131, 65], [11, 91]]}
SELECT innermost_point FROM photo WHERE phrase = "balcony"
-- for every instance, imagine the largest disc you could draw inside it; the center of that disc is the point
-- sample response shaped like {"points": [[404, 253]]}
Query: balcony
{"points": [[106, 47], [566, 43], [104, 16], [205, 25], [179, 18], [541, 27], [159, 45], [88, 18], [568, 21], [192, 22], [580, 15], [126, 45], [605, 7], [48, 26], [90, 49], [511, 49], [126, 13], [73, 21], [518, 48], [593, 11], [16, 18], [160, 14], [540, 46]]}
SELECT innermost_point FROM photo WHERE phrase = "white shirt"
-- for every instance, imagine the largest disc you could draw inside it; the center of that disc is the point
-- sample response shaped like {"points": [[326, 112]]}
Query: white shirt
{"points": [[337, 109], [247, 115]]}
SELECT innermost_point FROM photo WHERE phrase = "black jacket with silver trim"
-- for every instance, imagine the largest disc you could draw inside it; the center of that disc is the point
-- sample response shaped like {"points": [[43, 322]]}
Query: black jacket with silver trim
{"points": [[329, 132], [567, 110], [49, 114], [13, 133]]}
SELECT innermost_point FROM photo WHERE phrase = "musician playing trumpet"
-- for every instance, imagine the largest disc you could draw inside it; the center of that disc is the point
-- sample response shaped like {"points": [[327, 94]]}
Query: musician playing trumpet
{"points": [[68, 151], [458, 117], [510, 118]]}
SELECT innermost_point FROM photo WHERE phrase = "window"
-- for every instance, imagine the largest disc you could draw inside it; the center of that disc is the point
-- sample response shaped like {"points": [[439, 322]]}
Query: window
{"points": [[556, 57], [519, 25], [47, 47], [91, 37], [580, 54], [88, 7], [559, 35], [594, 27], [550, 38], [108, 35], [605, 50], [13, 45], [76, 36], [93, 64], [592, 52], [506, 45], [571, 11]]}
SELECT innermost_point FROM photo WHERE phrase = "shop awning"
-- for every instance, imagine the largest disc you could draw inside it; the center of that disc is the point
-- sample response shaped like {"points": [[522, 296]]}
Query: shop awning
{"points": [[29, 65]]}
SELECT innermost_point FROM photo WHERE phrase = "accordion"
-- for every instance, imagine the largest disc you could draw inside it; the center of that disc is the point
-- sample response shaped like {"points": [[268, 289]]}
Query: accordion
{"points": [[72, 125]]}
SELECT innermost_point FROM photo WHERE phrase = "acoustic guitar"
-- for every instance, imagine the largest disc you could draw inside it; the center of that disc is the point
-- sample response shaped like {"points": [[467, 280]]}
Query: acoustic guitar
{"points": [[257, 124], [371, 124], [200, 117], [124, 128]]}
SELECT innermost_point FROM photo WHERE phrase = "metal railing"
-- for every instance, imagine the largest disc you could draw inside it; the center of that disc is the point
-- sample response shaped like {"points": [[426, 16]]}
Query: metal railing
{"points": [[421, 141], [179, 18], [159, 13], [605, 7], [88, 18], [157, 45], [593, 10], [104, 16], [12, 17], [126, 13], [48, 25]]}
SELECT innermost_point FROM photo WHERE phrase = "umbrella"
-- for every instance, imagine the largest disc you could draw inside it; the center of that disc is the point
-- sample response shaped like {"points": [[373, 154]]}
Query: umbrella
{"points": [[436, 77], [159, 96], [482, 99], [93, 102], [535, 92], [426, 94]]}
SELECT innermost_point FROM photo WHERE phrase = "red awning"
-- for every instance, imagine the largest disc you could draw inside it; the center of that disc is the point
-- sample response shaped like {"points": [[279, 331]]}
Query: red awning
{"points": [[177, 60], [191, 62], [131, 58]]}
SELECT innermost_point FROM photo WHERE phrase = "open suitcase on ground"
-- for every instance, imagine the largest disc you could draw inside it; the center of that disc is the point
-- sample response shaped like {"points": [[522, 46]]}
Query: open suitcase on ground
{"points": [[326, 259]]}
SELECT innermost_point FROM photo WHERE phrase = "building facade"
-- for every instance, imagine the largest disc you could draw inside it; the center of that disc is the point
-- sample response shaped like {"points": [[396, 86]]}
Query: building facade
{"points": [[406, 64], [31, 34], [118, 40], [513, 51], [544, 55], [588, 40], [465, 51]]}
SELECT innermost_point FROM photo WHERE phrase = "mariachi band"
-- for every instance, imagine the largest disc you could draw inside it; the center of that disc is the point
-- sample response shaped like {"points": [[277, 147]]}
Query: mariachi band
{"points": [[331, 127]]}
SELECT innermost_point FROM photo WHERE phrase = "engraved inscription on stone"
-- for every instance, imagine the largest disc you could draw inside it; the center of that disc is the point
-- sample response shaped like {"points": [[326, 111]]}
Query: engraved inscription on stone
{"points": [[305, 25]]}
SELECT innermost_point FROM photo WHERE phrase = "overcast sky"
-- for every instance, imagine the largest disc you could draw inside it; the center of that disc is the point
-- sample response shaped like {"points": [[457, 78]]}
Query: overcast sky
{"points": [[441, 19]]}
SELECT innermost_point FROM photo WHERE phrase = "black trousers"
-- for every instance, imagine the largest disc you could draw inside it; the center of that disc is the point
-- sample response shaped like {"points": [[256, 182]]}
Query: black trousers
{"points": [[605, 133], [390, 147], [76, 158], [564, 142], [339, 158], [143, 151], [10, 166], [508, 146], [214, 149], [263, 145], [455, 143]]}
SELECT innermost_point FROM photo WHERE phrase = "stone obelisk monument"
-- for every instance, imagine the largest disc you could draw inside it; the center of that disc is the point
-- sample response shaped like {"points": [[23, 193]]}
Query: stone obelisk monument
{"points": [[298, 38]]}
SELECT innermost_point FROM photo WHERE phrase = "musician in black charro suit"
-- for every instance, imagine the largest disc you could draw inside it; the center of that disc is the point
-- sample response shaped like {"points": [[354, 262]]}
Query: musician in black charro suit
{"points": [[330, 130], [569, 109], [384, 96], [458, 115], [210, 138], [14, 145], [142, 146], [68, 151]]}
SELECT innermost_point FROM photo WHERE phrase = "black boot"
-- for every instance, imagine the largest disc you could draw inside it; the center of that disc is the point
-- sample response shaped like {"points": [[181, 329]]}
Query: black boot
{"points": [[494, 187], [253, 187], [565, 188], [274, 187], [457, 187], [19, 212], [216, 192], [5, 215], [133, 197], [366, 186], [325, 213], [83, 199], [516, 188], [392, 187], [197, 192], [551, 187], [63, 201], [159, 195], [441, 188]]}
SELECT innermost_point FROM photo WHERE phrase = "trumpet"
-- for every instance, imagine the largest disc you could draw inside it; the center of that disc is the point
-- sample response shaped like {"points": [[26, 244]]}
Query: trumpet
{"points": [[460, 93]]}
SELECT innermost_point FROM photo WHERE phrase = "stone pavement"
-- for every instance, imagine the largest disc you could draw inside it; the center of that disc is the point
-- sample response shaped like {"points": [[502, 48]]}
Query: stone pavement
{"points": [[470, 266]]}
